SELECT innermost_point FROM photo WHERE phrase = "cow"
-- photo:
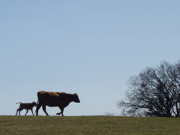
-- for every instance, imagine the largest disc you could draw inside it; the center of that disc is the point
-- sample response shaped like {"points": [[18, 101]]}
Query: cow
{"points": [[55, 99], [27, 106]]}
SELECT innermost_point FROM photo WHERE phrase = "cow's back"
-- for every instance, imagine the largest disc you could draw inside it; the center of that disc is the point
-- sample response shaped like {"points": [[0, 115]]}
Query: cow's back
{"points": [[48, 98]]}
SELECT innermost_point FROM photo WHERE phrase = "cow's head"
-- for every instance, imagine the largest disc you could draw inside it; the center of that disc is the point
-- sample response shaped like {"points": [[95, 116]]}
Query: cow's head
{"points": [[76, 98]]}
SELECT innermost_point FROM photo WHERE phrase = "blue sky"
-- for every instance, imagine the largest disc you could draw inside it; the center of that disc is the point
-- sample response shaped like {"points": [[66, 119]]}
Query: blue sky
{"points": [[88, 47]]}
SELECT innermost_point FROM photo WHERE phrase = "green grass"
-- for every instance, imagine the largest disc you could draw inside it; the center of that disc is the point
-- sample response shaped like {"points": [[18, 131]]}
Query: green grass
{"points": [[88, 125]]}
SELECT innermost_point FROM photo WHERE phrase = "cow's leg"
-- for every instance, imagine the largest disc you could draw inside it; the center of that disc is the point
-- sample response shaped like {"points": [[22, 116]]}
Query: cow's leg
{"points": [[32, 111], [62, 110], [37, 109], [44, 109], [58, 113], [26, 112]]}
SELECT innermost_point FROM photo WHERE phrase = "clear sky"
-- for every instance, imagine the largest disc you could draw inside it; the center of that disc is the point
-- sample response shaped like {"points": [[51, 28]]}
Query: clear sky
{"points": [[90, 47]]}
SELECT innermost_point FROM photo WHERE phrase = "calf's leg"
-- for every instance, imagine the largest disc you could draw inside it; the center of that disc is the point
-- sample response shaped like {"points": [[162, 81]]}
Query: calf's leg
{"points": [[17, 112], [26, 112], [32, 112]]}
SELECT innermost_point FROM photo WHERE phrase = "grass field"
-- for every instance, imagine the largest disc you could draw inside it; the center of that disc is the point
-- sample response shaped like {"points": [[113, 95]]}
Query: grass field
{"points": [[88, 125]]}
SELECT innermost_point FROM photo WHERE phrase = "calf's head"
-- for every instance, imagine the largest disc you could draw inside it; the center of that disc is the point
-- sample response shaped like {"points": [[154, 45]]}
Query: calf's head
{"points": [[34, 103]]}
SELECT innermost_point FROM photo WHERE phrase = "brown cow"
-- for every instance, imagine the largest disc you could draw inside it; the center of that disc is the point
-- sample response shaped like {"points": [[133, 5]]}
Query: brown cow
{"points": [[27, 106], [52, 99]]}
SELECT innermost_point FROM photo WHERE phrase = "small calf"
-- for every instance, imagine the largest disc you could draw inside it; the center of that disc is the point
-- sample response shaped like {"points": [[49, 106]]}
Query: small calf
{"points": [[27, 106]]}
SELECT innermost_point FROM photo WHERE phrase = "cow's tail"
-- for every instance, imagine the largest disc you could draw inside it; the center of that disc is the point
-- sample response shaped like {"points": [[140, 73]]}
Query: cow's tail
{"points": [[38, 98], [38, 102]]}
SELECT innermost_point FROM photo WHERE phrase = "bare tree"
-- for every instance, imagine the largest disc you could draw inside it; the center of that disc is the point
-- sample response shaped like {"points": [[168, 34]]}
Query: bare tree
{"points": [[154, 92]]}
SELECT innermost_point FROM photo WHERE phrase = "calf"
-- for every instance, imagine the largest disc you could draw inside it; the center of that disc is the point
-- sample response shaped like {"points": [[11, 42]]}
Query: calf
{"points": [[27, 106]]}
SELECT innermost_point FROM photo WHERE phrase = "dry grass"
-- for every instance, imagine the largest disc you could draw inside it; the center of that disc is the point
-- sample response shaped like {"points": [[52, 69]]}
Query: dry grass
{"points": [[88, 125]]}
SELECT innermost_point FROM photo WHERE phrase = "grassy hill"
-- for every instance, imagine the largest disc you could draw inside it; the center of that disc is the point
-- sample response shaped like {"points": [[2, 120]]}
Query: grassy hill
{"points": [[88, 125]]}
